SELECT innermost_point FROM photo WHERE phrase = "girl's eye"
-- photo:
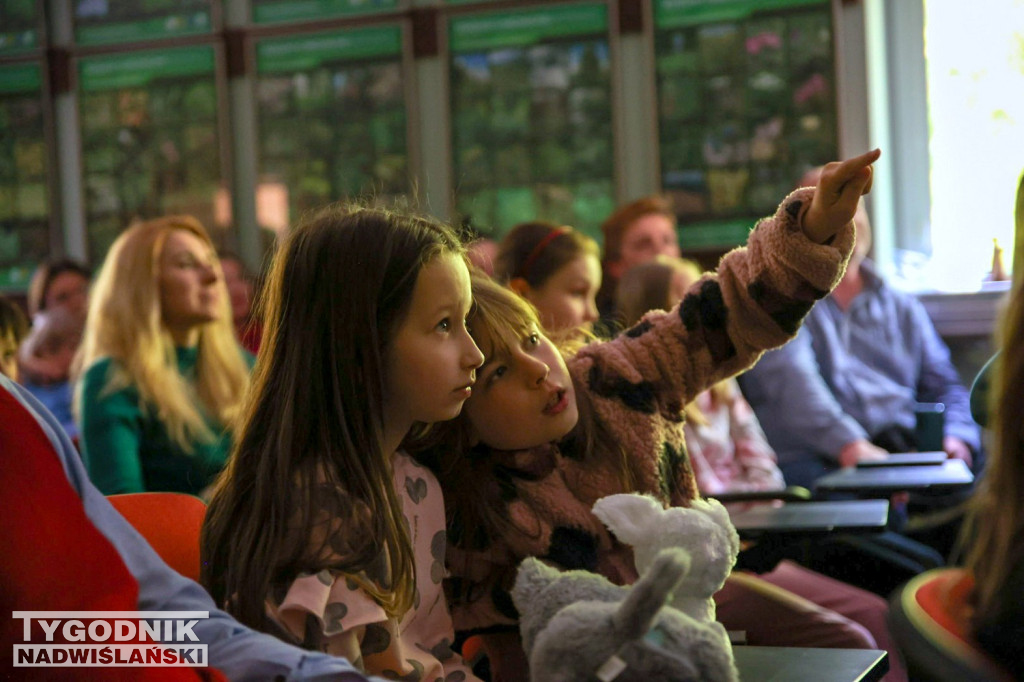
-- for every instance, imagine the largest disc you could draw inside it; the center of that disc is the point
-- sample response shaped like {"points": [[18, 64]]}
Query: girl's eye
{"points": [[444, 325], [498, 372], [533, 340]]}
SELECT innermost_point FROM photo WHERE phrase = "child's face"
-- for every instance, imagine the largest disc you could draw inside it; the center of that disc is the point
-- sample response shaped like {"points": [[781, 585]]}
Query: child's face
{"points": [[8, 356], [522, 399], [431, 361], [567, 301]]}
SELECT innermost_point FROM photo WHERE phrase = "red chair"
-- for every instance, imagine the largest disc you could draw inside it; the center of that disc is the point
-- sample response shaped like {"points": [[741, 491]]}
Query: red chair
{"points": [[170, 522], [928, 619]]}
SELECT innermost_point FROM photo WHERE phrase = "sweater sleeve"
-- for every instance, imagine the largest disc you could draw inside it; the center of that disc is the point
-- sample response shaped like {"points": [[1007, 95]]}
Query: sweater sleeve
{"points": [[110, 433], [756, 300]]}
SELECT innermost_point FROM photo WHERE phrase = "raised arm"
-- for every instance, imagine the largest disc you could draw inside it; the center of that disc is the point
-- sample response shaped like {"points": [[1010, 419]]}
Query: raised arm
{"points": [[756, 300]]}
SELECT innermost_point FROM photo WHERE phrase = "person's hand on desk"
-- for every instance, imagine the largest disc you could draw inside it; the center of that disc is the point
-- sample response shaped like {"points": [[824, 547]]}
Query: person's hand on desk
{"points": [[957, 449], [860, 451]]}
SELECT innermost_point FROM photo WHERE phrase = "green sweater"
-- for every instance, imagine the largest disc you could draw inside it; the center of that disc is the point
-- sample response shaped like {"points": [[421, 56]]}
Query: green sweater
{"points": [[127, 449]]}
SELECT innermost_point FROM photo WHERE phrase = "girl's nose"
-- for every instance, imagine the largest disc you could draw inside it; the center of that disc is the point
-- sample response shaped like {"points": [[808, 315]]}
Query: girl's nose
{"points": [[472, 356], [538, 371]]}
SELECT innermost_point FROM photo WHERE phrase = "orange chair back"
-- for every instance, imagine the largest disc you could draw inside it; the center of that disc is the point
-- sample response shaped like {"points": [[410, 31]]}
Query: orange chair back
{"points": [[170, 522], [929, 621]]}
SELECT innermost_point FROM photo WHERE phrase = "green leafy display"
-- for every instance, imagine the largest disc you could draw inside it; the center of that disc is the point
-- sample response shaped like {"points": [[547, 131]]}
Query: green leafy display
{"points": [[24, 196], [531, 119], [150, 143], [332, 117], [746, 104]]}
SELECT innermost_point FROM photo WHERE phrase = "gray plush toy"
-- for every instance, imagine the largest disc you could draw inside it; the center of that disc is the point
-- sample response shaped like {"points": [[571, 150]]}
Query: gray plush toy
{"points": [[579, 627]]}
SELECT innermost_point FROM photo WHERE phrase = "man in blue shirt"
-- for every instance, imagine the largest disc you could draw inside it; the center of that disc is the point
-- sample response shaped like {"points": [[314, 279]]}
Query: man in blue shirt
{"points": [[851, 380], [237, 651]]}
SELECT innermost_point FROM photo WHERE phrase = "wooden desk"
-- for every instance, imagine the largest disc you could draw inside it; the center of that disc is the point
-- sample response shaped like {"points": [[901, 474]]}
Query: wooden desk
{"points": [[785, 664], [811, 518], [884, 481]]}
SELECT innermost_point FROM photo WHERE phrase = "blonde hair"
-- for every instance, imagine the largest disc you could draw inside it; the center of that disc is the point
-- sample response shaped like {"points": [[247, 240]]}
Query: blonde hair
{"points": [[647, 287], [125, 324], [995, 522]]}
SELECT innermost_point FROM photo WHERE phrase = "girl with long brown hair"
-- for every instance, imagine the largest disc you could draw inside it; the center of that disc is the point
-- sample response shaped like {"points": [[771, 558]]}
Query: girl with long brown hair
{"points": [[320, 530]]}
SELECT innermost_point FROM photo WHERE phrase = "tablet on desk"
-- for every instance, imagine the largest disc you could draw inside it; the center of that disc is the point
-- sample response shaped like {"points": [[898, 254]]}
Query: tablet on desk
{"points": [[907, 459], [808, 518], [952, 473]]}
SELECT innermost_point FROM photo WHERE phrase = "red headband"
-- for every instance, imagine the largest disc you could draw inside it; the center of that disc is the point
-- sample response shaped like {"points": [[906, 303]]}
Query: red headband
{"points": [[551, 236]]}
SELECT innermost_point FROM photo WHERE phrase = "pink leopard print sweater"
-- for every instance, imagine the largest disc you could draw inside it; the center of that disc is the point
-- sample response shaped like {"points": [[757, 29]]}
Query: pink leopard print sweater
{"points": [[638, 384]]}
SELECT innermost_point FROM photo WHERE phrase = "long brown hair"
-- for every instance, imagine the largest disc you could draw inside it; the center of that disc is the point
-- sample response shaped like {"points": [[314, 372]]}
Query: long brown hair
{"points": [[308, 486], [476, 511], [995, 522]]}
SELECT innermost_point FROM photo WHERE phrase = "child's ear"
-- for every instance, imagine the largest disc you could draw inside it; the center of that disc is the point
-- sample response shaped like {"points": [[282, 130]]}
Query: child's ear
{"points": [[520, 286]]}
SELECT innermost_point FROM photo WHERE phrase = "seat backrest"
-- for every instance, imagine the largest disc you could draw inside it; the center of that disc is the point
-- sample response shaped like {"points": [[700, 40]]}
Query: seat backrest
{"points": [[928, 618], [170, 522]]}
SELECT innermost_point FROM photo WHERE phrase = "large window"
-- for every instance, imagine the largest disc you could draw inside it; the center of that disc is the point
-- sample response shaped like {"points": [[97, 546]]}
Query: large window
{"points": [[24, 197], [531, 117], [150, 142], [332, 118], [976, 114]]}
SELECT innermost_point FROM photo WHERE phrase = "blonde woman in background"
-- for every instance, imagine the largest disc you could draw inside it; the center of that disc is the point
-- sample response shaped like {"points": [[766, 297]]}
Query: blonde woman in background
{"points": [[161, 374]]}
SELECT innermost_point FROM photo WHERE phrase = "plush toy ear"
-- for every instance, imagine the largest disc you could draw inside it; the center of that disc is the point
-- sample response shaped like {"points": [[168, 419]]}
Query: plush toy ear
{"points": [[533, 576], [628, 516], [715, 510], [641, 605]]}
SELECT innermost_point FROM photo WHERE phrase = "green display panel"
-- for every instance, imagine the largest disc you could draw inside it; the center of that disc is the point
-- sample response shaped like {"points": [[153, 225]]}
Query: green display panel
{"points": [[277, 11], [104, 22], [746, 95], [332, 118], [20, 22], [531, 117], [24, 197], [150, 142]]}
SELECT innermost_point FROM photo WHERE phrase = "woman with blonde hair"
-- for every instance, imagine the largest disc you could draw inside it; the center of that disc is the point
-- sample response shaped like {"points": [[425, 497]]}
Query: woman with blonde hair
{"points": [[162, 376]]}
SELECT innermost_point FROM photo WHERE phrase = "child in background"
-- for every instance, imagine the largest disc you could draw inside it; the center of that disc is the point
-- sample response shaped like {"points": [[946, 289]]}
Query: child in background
{"points": [[321, 531], [13, 329], [557, 269], [728, 450], [540, 442]]}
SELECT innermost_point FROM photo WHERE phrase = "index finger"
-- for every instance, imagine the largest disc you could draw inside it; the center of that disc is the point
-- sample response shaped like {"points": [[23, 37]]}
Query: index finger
{"points": [[835, 176]]}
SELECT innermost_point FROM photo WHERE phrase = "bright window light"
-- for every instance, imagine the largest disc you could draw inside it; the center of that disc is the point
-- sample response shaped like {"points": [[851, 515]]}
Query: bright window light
{"points": [[975, 67]]}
